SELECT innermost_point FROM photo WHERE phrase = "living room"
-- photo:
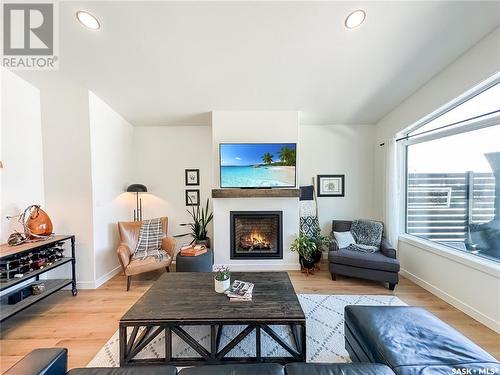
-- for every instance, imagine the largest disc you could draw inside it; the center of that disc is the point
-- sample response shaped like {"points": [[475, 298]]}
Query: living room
{"points": [[341, 158]]}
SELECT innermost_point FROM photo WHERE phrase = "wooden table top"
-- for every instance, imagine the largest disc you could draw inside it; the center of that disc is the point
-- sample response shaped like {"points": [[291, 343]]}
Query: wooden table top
{"points": [[6, 250], [190, 297]]}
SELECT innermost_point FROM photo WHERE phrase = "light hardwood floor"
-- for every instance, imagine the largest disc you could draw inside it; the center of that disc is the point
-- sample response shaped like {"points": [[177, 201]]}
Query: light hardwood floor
{"points": [[84, 323]]}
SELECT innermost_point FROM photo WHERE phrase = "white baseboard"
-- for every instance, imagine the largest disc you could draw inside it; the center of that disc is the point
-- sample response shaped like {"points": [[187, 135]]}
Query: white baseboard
{"points": [[251, 267], [101, 280], [455, 302]]}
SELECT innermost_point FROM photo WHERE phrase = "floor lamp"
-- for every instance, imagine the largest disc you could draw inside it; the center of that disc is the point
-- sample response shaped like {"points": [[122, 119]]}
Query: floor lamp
{"points": [[137, 188]]}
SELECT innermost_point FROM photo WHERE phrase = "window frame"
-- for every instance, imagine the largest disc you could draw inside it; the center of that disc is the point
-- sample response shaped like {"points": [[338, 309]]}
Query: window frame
{"points": [[468, 126]]}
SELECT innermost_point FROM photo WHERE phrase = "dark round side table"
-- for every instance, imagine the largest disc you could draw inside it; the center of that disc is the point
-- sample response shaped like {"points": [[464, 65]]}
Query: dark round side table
{"points": [[201, 263]]}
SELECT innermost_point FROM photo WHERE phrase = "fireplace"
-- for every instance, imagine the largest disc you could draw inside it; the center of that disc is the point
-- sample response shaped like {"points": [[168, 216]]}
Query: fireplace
{"points": [[256, 234]]}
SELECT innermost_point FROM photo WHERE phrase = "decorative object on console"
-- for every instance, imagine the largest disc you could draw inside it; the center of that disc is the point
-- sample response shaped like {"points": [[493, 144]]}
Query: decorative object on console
{"points": [[192, 177], [137, 188], [222, 279], [37, 226], [331, 185], [192, 197], [199, 226]]}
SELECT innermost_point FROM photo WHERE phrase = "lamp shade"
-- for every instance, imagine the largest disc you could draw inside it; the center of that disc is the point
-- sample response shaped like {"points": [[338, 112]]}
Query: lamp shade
{"points": [[137, 188]]}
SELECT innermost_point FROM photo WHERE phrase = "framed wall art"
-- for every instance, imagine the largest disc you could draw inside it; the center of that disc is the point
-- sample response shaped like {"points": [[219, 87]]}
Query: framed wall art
{"points": [[331, 185]]}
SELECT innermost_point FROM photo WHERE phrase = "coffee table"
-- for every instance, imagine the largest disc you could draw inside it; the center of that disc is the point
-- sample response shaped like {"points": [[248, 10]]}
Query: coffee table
{"points": [[189, 299]]}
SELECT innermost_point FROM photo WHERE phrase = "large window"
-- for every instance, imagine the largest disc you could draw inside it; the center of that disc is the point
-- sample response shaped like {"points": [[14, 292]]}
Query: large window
{"points": [[453, 177]]}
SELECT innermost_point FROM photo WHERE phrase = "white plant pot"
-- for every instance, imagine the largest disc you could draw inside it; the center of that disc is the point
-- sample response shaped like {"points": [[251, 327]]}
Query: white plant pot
{"points": [[222, 286]]}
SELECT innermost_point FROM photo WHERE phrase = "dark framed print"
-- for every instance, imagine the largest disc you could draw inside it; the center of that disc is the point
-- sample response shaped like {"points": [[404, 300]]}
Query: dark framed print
{"points": [[192, 177], [192, 197], [331, 185]]}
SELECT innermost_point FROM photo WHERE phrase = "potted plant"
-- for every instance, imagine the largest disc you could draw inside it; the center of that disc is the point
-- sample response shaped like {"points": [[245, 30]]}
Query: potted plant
{"points": [[305, 247], [222, 279], [321, 241], [199, 226]]}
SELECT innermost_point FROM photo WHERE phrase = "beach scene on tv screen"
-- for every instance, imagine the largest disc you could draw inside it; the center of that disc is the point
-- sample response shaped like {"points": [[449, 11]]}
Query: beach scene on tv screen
{"points": [[258, 165]]}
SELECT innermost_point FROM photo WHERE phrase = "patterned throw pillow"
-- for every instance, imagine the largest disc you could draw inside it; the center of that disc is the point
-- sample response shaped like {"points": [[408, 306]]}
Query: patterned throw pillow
{"points": [[367, 232]]}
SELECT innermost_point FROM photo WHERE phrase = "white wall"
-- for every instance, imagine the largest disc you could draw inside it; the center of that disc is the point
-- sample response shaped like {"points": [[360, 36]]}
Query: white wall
{"points": [[67, 169], [468, 288], [21, 150], [254, 126], [111, 138], [161, 155], [340, 149]]}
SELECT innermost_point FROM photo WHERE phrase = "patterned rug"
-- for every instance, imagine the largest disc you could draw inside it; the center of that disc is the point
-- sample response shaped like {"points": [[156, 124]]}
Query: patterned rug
{"points": [[324, 328]]}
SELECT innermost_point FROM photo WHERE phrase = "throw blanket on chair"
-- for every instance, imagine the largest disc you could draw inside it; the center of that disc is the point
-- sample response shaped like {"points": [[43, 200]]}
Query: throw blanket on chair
{"points": [[368, 235], [150, 241]]}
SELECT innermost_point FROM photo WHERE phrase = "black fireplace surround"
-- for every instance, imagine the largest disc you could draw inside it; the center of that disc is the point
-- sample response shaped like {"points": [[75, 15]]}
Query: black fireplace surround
{"points": [[256, 234]]}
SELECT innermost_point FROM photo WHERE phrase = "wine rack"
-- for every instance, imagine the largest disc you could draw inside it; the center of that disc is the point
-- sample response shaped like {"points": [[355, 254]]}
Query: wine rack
{"points": [[22, 265]]}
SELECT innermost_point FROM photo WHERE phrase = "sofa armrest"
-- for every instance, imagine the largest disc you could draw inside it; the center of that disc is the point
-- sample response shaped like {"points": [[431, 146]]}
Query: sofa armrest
{"points": [[334, 246], [387, 249], [123, 255], [168, 244], [53, 361]]}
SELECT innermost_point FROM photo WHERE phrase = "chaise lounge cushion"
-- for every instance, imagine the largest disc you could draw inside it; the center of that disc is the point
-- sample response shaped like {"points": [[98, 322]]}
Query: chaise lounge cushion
{"points": [[376, 260], [411, 340], [250, 369], [337, 369], [133, 370]]}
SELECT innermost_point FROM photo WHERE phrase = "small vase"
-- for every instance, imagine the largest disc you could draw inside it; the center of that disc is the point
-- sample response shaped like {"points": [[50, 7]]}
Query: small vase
{"points": [[222, 286]]}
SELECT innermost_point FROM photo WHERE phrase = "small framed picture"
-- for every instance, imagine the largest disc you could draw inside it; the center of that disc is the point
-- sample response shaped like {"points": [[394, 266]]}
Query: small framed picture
{"points": [[192, 177], [331, 185], [192, 197]]}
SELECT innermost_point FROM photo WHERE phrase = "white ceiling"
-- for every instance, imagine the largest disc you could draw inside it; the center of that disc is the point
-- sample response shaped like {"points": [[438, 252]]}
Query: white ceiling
{"points": [[171, 63]]}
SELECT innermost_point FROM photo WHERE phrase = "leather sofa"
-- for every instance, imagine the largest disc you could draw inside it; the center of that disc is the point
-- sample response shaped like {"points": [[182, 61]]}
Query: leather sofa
{"points": [[381, 340], [381, 265], [54, 362]]}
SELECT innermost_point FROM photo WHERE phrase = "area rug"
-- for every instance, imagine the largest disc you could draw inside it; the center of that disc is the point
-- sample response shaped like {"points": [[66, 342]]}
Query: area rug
{"points": [[324, 328]]}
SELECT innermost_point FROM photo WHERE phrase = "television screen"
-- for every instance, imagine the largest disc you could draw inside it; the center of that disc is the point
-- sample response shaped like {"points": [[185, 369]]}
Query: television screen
{"points": [[257, 165]]}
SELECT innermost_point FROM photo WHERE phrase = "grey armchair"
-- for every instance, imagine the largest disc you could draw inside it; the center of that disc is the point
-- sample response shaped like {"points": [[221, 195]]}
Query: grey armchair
{"points": [[381, 265]]}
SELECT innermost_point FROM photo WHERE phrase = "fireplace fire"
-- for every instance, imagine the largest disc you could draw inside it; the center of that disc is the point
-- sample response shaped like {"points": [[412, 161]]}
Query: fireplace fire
{"points": [[256, 234], [254, 240]]}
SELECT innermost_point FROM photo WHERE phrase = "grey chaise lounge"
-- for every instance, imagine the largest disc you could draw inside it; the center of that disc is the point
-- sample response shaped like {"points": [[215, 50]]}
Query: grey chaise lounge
{"points": [[381, 265]]}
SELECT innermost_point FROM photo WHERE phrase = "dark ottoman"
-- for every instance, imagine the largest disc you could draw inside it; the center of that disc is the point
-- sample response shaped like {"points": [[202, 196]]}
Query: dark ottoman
{"points": [[410, 340], [201, 263]]}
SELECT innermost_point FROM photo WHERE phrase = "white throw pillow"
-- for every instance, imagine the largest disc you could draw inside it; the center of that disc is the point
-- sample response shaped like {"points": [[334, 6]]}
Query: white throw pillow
{"points": [[344, 239]]}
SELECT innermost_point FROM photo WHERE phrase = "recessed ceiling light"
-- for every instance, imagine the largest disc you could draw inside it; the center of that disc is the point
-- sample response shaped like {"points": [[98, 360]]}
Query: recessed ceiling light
{"points": [[355, 19], [88, 20]]}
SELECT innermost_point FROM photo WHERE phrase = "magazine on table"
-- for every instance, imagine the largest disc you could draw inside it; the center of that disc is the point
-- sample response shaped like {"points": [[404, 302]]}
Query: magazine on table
{"points": [[240, 291]]}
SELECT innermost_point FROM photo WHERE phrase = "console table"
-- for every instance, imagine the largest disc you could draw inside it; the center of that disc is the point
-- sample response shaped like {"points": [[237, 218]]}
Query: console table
{"points": [[12, 253]]}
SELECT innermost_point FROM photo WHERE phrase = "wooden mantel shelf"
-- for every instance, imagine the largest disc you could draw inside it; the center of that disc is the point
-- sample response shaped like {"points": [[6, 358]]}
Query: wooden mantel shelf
{"points": [[255, 193]]}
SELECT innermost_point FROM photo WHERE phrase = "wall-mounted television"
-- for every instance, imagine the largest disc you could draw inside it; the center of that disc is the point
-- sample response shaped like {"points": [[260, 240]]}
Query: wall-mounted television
{"points": [[257, 165]]}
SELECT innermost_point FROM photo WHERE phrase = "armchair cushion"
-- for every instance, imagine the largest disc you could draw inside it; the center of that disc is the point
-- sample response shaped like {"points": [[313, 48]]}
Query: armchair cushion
{"points": [[376, 260], [150, 263]]}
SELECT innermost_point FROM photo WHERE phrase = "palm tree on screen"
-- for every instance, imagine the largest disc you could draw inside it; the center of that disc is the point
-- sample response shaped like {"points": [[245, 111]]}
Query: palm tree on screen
{"points": [[267, 158]]}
